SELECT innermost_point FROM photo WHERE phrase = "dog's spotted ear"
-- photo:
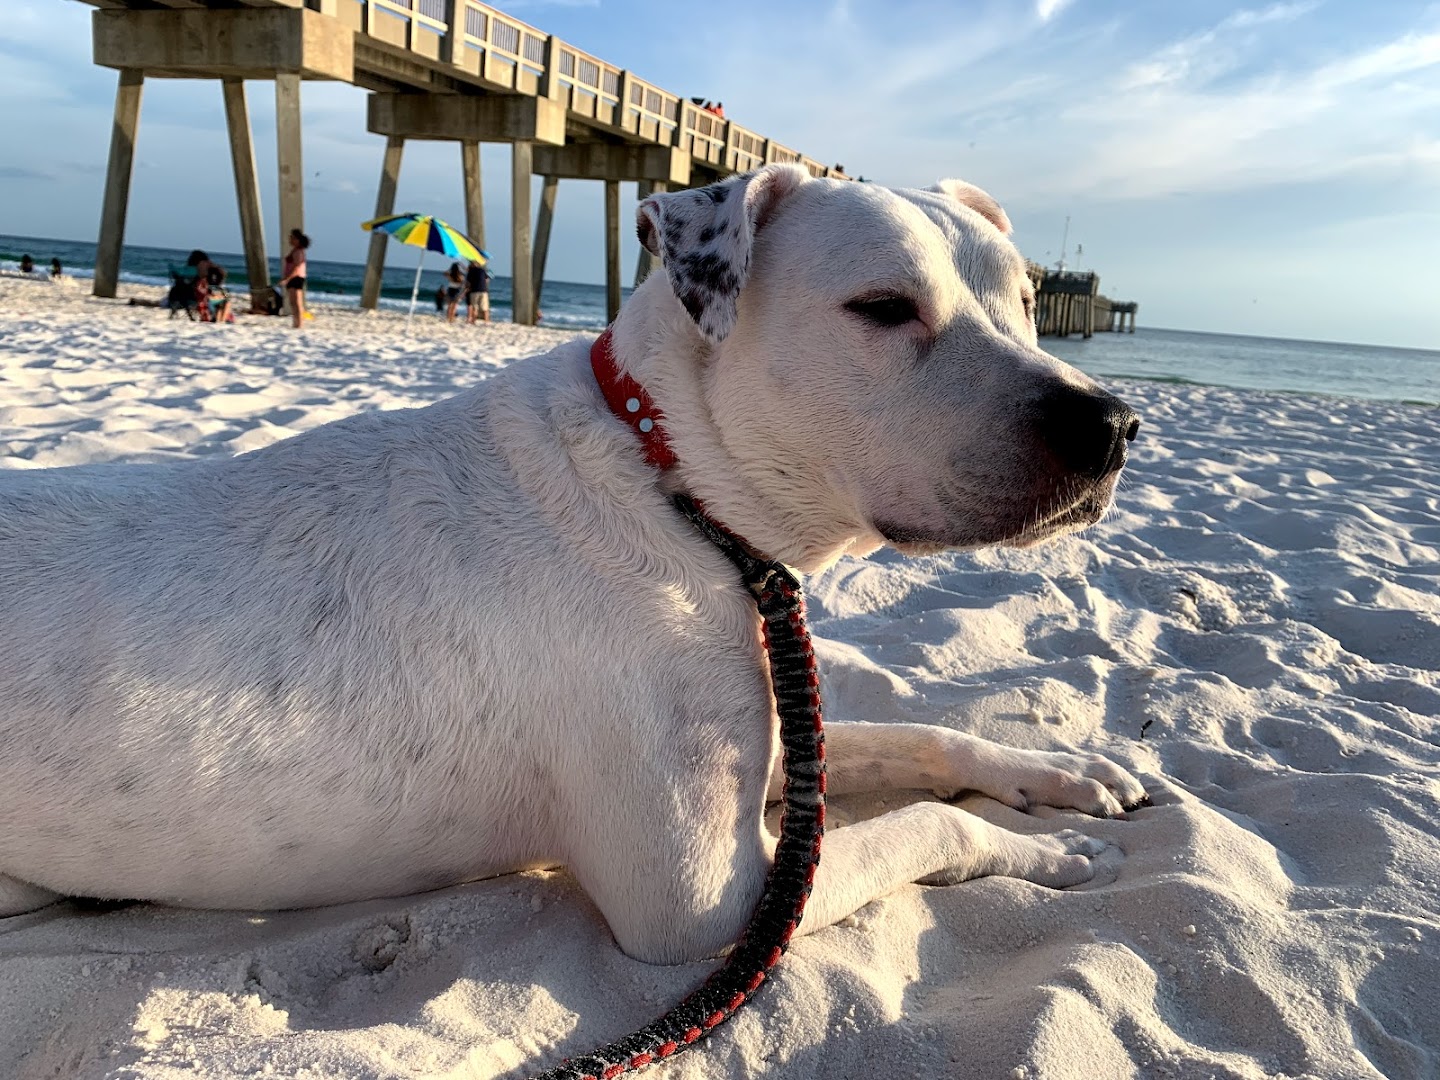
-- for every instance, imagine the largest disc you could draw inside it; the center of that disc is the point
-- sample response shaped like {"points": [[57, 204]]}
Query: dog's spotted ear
{"points": [[704, 237], [979, 201]]}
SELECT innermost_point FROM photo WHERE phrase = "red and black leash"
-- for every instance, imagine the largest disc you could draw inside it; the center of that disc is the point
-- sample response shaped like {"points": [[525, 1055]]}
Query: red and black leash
{"points": [[796, 684]]}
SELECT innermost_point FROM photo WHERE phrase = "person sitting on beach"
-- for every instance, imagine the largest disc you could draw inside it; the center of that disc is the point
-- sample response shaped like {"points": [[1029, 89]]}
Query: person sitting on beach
{"points": [[213, 300], [199, 264], [455, 285], [205, 292], [477, 293], [56, 270], [292, 276], [27, 264], [440, 300]]}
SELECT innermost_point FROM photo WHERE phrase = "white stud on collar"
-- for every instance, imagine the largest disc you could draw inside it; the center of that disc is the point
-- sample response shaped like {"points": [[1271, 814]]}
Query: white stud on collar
{"points": [[632, 405], [646, 424]]}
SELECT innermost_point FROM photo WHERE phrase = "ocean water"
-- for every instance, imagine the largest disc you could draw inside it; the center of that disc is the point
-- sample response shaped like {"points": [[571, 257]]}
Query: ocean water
{"points": [[1175, 356], [1253, 363]]}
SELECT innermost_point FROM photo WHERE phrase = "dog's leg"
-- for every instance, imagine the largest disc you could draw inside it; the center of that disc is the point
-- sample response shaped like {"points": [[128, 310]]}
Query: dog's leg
{"points": [[682, 888], [16, 897], [938, 844], [875, 757]]}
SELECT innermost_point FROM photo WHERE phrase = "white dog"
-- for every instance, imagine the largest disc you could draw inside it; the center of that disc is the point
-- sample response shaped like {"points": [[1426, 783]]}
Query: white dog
{"points": [[416, 648]]}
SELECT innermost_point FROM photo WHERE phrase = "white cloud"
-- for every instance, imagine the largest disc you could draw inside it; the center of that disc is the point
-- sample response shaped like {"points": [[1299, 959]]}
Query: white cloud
{"points": [[1080, 113], [1210, 53], [1343, 117], [1414, 52], [1048, 9]]}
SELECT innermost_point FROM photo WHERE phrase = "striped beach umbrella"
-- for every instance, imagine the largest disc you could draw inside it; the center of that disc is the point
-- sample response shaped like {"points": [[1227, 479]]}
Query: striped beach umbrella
{"points": [[428, 234]]}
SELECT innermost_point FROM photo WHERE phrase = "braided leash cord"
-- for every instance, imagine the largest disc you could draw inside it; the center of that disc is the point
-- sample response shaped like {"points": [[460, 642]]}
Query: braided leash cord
{"points": [[796, 684]]}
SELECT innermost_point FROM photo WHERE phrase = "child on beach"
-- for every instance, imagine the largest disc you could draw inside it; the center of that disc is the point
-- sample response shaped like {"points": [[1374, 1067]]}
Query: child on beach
{"points": [[292, 276], [454, 286]]}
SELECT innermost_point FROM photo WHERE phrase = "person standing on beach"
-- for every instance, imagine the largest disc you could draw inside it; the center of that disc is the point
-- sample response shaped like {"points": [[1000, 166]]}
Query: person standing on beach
{"points": [[477, 293], [292, 276], [454, 286]]}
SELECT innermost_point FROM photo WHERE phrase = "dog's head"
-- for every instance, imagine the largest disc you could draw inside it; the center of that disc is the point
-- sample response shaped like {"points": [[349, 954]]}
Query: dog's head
{"points": [[872, 362]]}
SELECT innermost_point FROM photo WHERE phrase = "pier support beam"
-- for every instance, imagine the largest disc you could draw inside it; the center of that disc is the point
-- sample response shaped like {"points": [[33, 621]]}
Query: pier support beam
{"points": [[474, 192], [647, 263], [612, 250], [605, 161], [483, 118], [247, 186], [384, 206], [522, 283], [289, 158], [117, 181], [549, 188], [206, 43]]}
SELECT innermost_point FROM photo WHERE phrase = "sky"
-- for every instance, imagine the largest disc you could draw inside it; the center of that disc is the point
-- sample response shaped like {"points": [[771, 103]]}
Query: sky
{"points": [[1268, 168]]}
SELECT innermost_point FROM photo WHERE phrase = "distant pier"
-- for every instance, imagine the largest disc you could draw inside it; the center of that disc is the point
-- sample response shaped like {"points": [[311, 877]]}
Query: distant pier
{"points": [[451, 70], [1069, 302]]}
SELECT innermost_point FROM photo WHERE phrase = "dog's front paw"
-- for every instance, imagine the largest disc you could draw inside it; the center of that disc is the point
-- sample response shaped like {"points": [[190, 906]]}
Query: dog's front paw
{"points": [[1055, 860], [1086, 782]]}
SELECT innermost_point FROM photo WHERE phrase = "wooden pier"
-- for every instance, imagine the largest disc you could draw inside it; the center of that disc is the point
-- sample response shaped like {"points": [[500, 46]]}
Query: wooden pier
{"points": [[453, 70], [1069, 302]]}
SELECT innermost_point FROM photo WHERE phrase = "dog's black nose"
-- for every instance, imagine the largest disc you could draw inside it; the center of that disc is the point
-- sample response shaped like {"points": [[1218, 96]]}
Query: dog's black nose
{"points": [[1087, 429]]}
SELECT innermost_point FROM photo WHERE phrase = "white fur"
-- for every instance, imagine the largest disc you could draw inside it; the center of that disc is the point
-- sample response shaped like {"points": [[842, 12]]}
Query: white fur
{"points": [[414, 648]]}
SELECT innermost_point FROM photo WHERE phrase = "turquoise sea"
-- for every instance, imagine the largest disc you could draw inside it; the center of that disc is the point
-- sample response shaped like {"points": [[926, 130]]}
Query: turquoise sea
{"points": [[1255, 363], [1176, 356]]}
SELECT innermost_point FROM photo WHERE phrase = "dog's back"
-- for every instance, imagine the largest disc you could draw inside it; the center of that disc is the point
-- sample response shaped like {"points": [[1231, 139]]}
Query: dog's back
{"points": [[247, 617]]}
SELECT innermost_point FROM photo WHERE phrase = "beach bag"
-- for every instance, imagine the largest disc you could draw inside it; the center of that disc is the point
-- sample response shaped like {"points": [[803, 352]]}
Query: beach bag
{"points": [[270, 301]]}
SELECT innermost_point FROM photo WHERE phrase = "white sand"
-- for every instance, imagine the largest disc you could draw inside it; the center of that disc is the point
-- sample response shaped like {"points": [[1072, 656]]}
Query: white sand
{"points": [[1265, 599]]}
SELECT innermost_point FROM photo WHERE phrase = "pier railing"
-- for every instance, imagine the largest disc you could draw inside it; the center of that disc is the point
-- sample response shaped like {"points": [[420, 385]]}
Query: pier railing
{"points": [[512, 56]]}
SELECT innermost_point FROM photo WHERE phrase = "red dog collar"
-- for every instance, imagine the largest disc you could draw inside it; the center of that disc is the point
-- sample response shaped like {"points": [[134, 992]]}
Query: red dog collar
{"points": [[629, 401]]}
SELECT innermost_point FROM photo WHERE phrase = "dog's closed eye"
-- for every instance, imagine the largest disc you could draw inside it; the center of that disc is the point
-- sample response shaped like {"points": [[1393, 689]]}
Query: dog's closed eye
{"points": [[884, 310]]}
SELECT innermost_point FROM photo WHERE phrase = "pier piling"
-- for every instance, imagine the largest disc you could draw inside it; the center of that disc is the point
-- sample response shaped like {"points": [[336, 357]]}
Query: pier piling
{"points": [[384, 207], [123, 132], [549, 190], [247, 186], [521, 284]]}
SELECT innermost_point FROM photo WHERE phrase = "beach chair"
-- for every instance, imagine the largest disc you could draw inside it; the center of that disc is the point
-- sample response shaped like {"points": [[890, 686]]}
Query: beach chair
{"points": [[181, 296]]}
